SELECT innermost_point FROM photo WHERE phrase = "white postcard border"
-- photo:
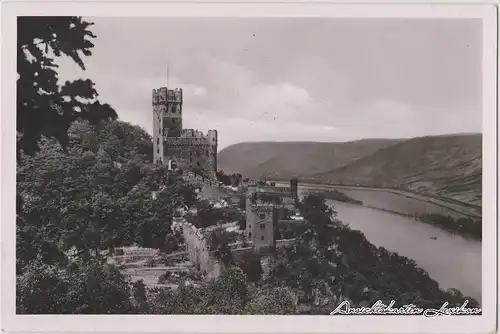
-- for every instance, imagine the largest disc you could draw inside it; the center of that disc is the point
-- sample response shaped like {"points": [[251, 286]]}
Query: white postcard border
{"points": [[249, 324]]}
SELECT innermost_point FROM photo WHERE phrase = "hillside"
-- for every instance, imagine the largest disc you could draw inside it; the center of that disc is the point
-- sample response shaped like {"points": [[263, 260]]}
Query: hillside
{"points": [[287, 159], [449, 166]]}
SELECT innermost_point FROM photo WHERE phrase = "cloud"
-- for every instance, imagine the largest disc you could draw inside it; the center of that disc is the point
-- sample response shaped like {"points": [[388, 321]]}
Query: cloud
{"points": [[255, 89], [231, 98], [235, 91]]}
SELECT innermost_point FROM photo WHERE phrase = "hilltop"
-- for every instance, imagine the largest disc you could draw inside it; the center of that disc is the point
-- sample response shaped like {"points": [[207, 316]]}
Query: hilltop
{"points": [[448, 166], [299, 159]]}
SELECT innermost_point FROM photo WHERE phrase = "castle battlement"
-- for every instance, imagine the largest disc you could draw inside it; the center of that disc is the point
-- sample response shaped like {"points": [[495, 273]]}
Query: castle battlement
{"points": [[192, 133], [164, 95], [194, 141]]}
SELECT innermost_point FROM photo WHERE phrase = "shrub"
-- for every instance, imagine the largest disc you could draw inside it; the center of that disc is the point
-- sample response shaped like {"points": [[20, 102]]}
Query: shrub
{"points": [[250, 265]]}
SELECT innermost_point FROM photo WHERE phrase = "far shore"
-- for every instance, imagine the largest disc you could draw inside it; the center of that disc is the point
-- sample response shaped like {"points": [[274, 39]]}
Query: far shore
{"points": [[466, 209]]}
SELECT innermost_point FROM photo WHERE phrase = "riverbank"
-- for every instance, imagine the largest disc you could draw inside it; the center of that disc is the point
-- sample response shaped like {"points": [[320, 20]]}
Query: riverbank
{"points": [[448, 206], [339, 196], [444, 258], [433, 220], [450, 217]]}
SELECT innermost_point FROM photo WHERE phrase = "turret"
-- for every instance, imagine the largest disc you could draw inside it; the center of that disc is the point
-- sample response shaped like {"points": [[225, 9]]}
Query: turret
{"points": [[168, 105]]}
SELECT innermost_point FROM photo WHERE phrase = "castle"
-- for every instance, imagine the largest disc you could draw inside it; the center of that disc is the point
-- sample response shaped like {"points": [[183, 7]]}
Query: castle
{"points": [[190, 149]]}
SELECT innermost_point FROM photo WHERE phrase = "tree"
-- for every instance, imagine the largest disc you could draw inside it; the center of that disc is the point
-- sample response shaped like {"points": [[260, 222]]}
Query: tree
{"points": [[206, 215], [46, 110], [84, 288], [278, 301], [223, 178], [319, 214], [98, 288], [314, 203], [273, 301], [94, 196], [40, 290], [139, 294], [219, 243], [44, 107], [250, 264], [228, 293], [242, 223]]}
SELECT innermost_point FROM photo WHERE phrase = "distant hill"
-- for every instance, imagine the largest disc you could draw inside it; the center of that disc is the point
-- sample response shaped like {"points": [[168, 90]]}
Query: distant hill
{"points": [[301, 159], [448, 166]]}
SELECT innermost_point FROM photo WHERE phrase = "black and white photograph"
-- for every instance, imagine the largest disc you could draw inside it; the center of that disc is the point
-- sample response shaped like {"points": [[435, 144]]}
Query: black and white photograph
{"points": [[246, 165]]}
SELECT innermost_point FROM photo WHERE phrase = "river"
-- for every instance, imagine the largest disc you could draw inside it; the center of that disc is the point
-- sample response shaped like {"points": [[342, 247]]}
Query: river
{"points": [[451, 260]]}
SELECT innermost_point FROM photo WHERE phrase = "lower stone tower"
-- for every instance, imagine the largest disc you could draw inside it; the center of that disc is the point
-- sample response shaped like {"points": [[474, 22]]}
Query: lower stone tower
{"points": [[259, 221]]}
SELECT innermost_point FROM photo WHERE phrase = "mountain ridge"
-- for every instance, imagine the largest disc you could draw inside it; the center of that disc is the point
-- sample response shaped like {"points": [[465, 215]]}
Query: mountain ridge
{"points": [[448, 165], [294, 159]]}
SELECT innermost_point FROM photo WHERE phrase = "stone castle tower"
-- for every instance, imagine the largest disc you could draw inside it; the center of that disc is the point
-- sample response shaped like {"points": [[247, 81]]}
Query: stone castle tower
{"points": [[190, 149], [259, 222]]}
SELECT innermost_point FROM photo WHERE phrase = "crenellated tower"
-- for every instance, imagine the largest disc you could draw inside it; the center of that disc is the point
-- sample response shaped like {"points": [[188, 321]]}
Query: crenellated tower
{"points": [[167, 118]]}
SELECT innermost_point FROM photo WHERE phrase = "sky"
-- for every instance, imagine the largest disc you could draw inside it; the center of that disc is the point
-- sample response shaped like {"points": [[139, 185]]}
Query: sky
{"points": [[293, 79]]}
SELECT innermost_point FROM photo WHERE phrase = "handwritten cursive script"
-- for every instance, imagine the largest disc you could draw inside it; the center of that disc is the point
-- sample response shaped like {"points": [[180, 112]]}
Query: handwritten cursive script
{"points": [[379, 308], [444, 311]]}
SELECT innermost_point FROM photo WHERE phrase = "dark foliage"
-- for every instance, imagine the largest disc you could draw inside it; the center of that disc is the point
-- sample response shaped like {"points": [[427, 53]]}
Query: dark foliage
{"points": [[97, 195], [340, 196], [233, 180], [251, 266], [206, 215], [219, 244], [463, 226], [87, 288], [44, 108]]}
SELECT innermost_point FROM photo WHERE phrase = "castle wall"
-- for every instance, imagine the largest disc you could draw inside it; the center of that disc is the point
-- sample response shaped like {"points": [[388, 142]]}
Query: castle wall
{"points": [[199, 181], [198, 251], [239, 253], [276, 190], [214, 192], [198, 154], [283, 243]]}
